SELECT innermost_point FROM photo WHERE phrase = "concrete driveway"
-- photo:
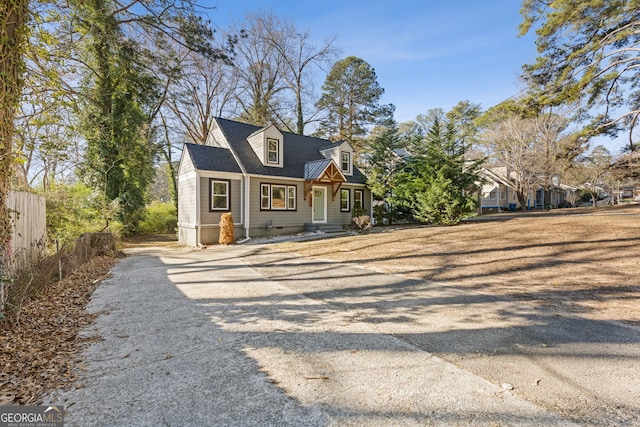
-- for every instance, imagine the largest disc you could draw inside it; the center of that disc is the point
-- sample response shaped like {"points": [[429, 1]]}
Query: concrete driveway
{"points": [[244, 335]]}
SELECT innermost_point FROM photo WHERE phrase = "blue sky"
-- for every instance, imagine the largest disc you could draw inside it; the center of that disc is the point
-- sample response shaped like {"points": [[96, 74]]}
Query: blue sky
{"points": [[426, 54]]}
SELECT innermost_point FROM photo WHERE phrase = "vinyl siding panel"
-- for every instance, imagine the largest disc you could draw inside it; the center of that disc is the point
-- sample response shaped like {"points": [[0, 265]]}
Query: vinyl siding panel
{"points": [[187, 198], [187, 206], [186, 165], [280, 220], [187, 236], [210, 221], [257, 144], [335, 215], [216, 137], [285, 222]]}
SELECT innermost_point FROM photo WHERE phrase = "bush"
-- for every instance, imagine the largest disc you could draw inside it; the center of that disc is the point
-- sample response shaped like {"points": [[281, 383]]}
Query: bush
{"points": [[362, 223], [160, 217], [76, 209]]}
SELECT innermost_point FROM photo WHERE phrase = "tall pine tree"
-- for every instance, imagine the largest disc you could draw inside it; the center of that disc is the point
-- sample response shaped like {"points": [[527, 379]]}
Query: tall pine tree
{"points": [[351, 100]]}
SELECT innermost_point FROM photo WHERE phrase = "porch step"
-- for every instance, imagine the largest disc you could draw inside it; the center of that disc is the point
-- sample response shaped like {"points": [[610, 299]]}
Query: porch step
{"points": [[325, 228]]}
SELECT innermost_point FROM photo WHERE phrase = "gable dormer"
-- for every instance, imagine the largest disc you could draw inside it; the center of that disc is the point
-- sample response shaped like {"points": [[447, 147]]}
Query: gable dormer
{"points": [[342, 154], [268, 146]]}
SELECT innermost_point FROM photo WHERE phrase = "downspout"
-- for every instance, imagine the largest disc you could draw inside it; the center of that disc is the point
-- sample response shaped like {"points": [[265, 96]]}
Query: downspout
{"points": [[247, 207], [247, 188], [198, 224], [373, 220]]}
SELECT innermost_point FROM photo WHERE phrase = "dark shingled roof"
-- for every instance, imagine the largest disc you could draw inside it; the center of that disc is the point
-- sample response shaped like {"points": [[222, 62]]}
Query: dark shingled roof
{"points": [[298, 150], [212, 158]]}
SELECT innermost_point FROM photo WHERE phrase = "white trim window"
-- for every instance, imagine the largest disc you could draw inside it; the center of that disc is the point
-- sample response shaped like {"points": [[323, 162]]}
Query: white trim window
{"points": [[358, 199], [291, 198], [345, 203], [273, 151], [277, 197], [219, 190], [345, 162], [265, 200]]}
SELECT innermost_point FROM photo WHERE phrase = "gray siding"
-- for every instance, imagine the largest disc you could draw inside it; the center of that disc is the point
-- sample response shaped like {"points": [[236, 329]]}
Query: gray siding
{"points": [[333, 209], [186, 165], [216, 138], [213, 218], [187, 199], [260, 219], [285, 221], [211, 235], [210, 228]]}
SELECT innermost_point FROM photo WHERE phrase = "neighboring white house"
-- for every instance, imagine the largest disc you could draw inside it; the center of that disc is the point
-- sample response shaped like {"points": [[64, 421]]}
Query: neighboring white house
{"points": [[498, 192], [272, 182]]}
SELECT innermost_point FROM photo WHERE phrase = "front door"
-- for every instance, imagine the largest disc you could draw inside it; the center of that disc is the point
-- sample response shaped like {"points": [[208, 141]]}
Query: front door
{"points": [[319, 211]]}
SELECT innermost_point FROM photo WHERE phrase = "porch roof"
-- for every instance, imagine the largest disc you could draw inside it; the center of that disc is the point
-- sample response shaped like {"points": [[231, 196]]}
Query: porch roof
{"points": [[323, 170]]}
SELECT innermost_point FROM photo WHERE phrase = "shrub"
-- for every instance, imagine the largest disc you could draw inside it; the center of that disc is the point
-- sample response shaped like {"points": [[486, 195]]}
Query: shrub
{"points": [[160, 217], [76, 209], [362, 223]]}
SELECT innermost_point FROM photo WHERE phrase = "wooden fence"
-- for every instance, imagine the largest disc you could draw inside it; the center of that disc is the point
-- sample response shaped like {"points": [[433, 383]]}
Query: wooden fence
{"points": [[28, 240]]}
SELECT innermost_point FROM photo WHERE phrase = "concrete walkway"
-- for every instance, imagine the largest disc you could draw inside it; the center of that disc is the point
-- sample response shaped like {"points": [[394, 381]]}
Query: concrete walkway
{"points": [[204, 338]]}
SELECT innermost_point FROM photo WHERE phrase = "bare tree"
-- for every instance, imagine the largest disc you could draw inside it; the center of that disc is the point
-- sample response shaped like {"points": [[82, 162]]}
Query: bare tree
{"points": [[276, 63], [549, 128], [260, 67], [592, 170], [206, 90], [299, 59], [514, 141], [48, 146]]}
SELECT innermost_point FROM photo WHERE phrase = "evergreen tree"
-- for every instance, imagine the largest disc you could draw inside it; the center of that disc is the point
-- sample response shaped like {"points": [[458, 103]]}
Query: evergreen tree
{"points": [[129, 57], [588, 57], [119, 94], [351, 100], [439, 187], [383, 160]]}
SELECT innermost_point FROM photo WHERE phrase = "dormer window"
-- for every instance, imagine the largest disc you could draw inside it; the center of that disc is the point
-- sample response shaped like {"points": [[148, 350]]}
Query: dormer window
{"points": [[273, 151], [345, 162], [268, 144]]}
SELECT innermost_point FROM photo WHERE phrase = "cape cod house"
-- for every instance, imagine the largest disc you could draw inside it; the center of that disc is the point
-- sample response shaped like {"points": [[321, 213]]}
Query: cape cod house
{"points": [[272, 182]]}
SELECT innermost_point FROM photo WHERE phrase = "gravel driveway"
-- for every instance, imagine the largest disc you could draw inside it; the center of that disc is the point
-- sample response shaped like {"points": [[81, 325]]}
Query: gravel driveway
{"points": [[244, 335]]}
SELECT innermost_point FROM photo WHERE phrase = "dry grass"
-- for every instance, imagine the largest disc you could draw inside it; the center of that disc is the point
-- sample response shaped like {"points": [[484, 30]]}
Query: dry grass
{"points": [[585, 260]]}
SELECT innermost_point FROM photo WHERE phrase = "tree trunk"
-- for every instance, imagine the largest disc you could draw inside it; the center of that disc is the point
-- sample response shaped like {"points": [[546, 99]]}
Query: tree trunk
{"points": [[299, 115], [521, 199], [13, 37]]}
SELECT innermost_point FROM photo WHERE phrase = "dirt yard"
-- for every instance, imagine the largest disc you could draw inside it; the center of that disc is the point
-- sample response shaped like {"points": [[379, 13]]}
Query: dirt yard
{"points": [[582, 260]]}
